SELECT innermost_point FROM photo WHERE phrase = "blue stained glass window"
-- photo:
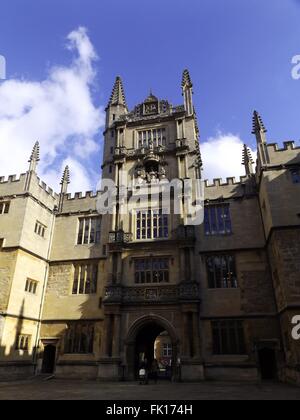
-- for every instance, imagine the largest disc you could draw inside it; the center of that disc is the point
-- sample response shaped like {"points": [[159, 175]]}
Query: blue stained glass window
{"points": [[217, 220]]}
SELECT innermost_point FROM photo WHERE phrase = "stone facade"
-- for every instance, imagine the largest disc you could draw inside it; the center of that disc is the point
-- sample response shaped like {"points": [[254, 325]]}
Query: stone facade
{"points": [[84, 295]]}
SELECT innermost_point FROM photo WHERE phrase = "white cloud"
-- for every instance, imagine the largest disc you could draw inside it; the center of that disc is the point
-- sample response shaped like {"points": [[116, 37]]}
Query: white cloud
{"points": [[222, 156], [59, 112], [78, 173]]}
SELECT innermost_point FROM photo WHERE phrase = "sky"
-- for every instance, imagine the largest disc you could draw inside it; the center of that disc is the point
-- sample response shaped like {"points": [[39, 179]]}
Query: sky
{"points": [[63, 56]]}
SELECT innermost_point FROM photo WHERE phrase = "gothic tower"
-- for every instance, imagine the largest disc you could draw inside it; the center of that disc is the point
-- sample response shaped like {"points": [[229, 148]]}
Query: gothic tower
{"points": [[151, 287]]}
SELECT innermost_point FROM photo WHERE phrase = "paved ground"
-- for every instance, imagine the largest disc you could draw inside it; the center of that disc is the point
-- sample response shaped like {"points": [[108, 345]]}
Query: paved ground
{"points": [[82, 390]]}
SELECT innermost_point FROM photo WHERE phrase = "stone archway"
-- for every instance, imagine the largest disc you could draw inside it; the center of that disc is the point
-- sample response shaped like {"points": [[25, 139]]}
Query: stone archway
{"points": [[141, 337]]}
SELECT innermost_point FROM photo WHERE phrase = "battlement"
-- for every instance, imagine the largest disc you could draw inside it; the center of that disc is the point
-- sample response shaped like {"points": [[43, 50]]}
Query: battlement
{"points": [[83, 195], [16, 185], [287, 145], [12, 178], [81, 202], [218, 182], [288, 154], [231, 188], [12, 185], [48, 190]]}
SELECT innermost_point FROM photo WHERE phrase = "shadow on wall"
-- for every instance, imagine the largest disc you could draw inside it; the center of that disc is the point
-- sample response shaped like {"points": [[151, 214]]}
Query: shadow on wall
{"points": [[79, 341], [72, 348], [22, 356], [281, 212], [16, 352]]}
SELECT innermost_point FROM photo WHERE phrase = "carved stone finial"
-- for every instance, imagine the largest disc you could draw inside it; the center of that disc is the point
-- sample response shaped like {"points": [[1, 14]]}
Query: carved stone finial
{"points": [[118, 95], [65, 181], [66, 176], [34, 157], [186, 79], [187, 91], [258, 125], [248, 160]]}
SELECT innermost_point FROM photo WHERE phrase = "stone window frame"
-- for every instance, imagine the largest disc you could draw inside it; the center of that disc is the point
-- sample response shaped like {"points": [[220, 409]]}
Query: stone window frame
{"points": [[167, 350], [228, 337], [217, 219], [231, 280], [40, 229], [23, 342], [143, 138], [31, 286], [85, 279], [89, 230], [147, 225], [152, 270], [4, 207]]}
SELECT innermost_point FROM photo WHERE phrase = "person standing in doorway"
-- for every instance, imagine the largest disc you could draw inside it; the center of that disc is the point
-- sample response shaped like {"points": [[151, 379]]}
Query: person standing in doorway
{"points": [[143, 372]]}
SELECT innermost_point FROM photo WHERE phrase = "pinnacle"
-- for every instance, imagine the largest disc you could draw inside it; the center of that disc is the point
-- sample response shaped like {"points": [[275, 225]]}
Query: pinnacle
{"points": [[186, 79], [247, 156], [66, 176], [35, 155], [118, 95], [258, 125]]}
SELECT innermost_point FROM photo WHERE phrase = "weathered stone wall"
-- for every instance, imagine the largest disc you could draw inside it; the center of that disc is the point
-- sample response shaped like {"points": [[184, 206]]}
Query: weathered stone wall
{"points": [[7, 265], [247, 228], [257, 292], [279, 199], [284, 251], [254, 294], [60, 279], [61, 304]]}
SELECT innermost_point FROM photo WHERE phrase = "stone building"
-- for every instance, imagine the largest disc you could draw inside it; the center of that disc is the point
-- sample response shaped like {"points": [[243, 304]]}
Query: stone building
{"points": [[87, 295]]}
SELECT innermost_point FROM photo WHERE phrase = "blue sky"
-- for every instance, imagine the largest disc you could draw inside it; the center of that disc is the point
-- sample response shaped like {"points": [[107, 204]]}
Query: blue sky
{"points": [[239, 54]]}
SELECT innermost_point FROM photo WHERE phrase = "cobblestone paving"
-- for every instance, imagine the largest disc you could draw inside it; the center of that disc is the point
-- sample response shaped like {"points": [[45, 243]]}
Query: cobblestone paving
{"points": [[82, 390]]}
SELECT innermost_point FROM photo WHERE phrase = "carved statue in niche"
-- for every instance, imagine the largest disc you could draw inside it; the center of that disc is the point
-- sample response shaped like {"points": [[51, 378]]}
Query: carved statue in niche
{"points": [[152, 176], [150, 173], [140, 174], [162, 174], [151, 145]]}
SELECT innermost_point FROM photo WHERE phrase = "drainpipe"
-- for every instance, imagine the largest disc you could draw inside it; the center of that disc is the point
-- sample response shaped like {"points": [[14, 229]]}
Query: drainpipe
{"points": [[43, 294], [272, 285]]}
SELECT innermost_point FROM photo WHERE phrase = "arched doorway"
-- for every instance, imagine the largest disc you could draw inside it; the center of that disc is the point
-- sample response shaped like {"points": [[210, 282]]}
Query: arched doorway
{"points": [[268, 364], [49, 358], [141, 344]]}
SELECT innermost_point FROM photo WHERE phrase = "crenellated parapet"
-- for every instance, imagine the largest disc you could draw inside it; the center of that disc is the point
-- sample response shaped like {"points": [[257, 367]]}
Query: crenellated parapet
{"points": [[287, 145], [12, 185], [288, 154], [82, 195], [81, 202], [219, 182], [15, 185], [11, 178], [231, 188], [48, 190]]}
